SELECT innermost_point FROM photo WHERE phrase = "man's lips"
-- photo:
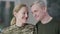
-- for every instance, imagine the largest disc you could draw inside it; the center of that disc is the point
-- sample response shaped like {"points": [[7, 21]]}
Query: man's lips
{"points": [[36, 16]]}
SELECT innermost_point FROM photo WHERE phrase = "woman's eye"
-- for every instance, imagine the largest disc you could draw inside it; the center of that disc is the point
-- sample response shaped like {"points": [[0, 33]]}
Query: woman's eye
{"points": [[24, 13]]}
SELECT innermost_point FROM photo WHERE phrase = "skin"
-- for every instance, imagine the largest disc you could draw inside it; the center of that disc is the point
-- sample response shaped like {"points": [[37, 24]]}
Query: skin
{"points": [[38, 12], [21, 16]]}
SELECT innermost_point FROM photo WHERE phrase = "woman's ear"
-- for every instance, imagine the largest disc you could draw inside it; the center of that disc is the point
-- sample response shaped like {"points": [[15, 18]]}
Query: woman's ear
{"points": [[14, 13]]}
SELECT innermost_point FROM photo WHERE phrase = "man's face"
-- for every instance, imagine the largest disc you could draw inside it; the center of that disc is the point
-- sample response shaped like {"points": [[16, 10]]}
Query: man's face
{"points": [[37, 12]]}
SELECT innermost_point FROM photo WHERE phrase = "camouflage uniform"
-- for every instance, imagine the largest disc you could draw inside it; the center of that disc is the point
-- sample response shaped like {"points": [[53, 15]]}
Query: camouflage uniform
{"points": [[27, 29]]}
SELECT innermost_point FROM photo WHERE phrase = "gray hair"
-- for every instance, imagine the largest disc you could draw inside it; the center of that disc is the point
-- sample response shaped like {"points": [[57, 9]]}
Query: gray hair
{"points": [[41, 3]]}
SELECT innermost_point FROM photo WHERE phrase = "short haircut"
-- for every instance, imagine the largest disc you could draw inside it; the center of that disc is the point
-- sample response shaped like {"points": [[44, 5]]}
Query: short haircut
{"points": [[41, 3]]}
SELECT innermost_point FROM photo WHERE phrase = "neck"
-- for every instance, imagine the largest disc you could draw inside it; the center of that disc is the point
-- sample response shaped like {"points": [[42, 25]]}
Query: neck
{"points": [[19, 23], [46, 19]]}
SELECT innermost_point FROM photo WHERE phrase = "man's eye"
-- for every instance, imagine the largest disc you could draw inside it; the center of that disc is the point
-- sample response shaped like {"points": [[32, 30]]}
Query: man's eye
{"points": [[35, 11]]}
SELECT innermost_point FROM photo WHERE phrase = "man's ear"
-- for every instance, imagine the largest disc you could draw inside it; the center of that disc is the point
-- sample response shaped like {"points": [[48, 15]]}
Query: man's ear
{"points": [[44, 9], [14, 13]]}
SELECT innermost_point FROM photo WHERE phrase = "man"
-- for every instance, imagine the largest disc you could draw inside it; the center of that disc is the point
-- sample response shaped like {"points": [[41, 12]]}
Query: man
{"points": [[46, 24]]}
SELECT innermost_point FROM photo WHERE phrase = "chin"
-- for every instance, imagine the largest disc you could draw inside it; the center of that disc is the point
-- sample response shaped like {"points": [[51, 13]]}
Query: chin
{"points": [[37, 19], [24, 21]]}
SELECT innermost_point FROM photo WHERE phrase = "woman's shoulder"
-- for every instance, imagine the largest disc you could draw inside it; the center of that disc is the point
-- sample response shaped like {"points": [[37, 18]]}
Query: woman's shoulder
{"points": [[28, 29], [10, 28], [29, 26]]}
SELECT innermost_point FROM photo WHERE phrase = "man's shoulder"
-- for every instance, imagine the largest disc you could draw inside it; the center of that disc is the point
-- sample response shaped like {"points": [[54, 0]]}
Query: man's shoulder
{"points": [[38, 23]]}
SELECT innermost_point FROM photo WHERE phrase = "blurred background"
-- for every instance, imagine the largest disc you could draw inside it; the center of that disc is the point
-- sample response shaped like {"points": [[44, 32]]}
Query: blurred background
{"points": [[6, 9]]}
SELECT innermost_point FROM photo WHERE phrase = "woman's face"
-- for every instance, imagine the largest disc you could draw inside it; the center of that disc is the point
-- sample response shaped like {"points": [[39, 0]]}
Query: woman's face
{"points": [[22, 14]]}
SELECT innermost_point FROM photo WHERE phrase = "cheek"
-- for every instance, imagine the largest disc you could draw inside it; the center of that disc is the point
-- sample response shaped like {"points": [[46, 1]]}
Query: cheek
{"points": [[19, 16], [40, 14], [22, 16]]}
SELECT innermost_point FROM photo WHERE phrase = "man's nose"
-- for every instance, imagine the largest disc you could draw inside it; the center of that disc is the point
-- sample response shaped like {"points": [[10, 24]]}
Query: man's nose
{"points": [[34, 14], [26, 15]]}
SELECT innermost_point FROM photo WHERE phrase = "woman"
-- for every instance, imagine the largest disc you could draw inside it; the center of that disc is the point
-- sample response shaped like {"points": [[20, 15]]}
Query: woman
{"points": [[18, 23]]}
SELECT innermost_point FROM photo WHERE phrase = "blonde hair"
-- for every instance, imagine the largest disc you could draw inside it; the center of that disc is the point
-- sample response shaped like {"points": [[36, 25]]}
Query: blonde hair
{"points": [[40, 2], [16, 9]]}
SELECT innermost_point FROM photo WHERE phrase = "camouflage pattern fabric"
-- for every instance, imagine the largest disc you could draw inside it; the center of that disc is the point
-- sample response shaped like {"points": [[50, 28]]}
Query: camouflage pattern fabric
{"points": [[27, 29]]}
